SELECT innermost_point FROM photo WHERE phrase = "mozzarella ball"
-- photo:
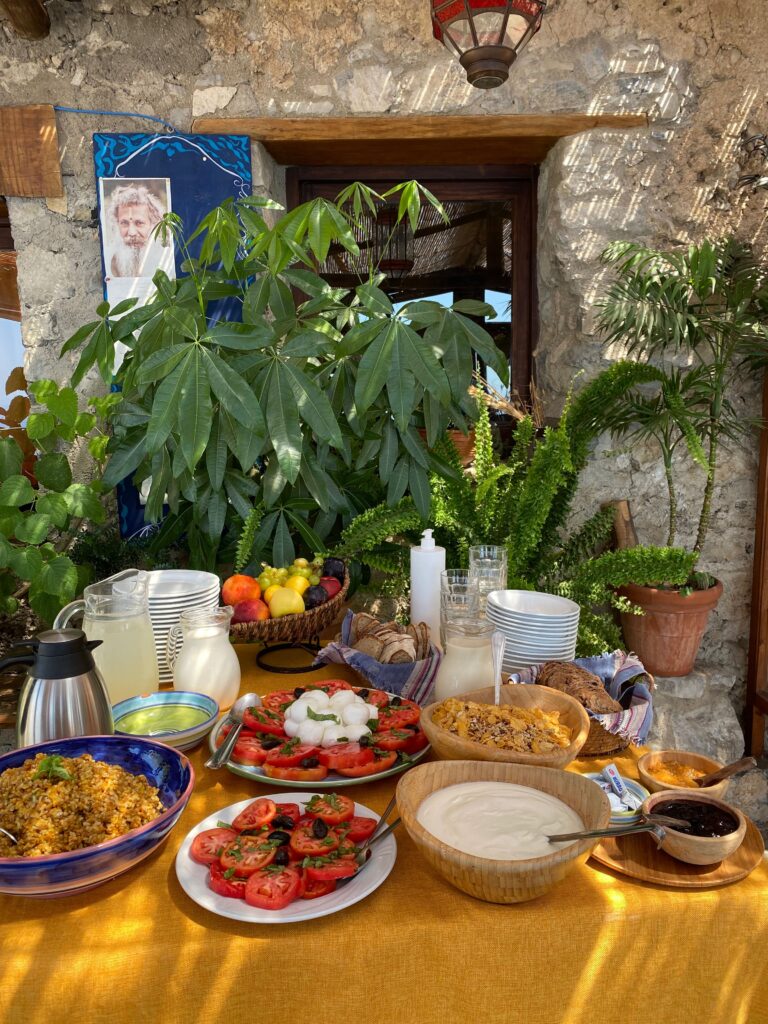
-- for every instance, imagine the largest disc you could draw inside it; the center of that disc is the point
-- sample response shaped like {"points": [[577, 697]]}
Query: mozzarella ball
{"points": [[311, 732], [356, 732], [355, 714], [291, 728], [334, 734], [318, 699], [342, 699], [297, 712], [373, 711]]}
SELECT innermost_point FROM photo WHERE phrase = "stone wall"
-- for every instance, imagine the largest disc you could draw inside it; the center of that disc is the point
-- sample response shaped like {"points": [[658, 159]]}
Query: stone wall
{"points": [[698, 67]]}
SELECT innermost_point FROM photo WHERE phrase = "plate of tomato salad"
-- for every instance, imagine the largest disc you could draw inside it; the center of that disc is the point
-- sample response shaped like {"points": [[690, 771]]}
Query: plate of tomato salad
{"points": [[229, 865], [265, 753]]}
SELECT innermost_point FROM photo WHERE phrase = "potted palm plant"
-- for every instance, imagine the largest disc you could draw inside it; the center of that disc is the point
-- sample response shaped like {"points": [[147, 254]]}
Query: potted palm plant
{"points": [[705, 309]]}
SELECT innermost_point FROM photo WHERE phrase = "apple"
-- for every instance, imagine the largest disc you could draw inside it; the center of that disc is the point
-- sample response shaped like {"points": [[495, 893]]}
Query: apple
{"points": [[330, 585], [250, 611]]}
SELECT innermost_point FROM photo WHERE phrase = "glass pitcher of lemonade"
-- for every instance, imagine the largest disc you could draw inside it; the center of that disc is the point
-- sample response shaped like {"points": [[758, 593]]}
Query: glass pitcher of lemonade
{"points": [[467, 657], [116, 611]]}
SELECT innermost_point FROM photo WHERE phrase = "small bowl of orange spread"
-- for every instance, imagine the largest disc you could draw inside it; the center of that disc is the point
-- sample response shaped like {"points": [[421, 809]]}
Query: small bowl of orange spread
{"points": [[679, 769]]}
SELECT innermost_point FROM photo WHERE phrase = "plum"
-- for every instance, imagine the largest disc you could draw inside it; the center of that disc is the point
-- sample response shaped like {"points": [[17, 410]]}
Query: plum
{"points": [[315, 596], [334, 567]]}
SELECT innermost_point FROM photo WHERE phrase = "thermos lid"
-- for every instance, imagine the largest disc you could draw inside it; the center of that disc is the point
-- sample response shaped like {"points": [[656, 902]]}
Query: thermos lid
{"points": [[56, 642]]}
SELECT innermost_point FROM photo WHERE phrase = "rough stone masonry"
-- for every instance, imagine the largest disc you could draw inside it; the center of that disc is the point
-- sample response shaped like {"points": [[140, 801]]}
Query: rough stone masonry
{"points": [[697, 67]]}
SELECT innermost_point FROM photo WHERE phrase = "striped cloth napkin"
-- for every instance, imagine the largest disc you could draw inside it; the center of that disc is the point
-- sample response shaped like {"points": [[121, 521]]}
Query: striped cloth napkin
{"points": [[626, 680]]}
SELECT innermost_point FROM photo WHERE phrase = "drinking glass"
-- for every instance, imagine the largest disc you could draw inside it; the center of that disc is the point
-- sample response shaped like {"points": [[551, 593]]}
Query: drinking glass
{"points": [[467, 657], [459, 597], [488, 565]]}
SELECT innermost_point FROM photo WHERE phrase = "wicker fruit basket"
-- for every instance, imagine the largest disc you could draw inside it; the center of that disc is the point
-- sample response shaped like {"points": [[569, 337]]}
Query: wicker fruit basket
{"points": [[291, 628]]}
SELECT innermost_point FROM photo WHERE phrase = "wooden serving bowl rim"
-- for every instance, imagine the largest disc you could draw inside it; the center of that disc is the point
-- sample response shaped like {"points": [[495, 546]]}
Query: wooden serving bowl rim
{"points": [[731, 841], [690, 757], [499, 755], [419, 834]]}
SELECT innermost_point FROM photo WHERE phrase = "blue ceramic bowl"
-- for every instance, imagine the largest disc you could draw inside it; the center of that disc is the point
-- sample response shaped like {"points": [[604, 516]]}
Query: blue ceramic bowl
{"points": [[160, 707], [63, 874]]}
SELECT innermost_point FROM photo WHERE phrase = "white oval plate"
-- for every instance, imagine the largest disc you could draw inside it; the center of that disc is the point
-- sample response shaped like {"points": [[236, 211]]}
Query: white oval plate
{"points": [[193, 877]]}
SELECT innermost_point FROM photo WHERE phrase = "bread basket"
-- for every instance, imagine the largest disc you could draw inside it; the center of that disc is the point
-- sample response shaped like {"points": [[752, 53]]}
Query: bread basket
{"points": [[449, 746], [292, 628]]}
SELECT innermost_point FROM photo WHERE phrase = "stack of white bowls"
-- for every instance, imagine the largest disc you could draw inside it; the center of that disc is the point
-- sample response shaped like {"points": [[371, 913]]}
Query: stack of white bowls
{"points": [[538, 627], [171, 592]]}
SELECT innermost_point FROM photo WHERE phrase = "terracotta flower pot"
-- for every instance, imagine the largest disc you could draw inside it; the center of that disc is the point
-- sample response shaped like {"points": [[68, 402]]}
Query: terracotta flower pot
{"points": [[668, 636], [463, 443]]}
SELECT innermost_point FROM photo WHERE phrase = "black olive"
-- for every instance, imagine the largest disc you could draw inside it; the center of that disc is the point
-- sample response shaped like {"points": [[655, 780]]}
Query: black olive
{"points": [[310, 762], [365, 694], [365, 741], [298, 692], [395, 702], [279, 837], [319, 829], [270, 742], [283, 821], [282, 857]]}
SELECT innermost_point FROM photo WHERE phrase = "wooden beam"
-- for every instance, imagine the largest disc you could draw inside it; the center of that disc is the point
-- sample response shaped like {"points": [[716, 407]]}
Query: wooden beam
{"points": [[28, 17], [10, 306], [29, 152], [418, 139]]}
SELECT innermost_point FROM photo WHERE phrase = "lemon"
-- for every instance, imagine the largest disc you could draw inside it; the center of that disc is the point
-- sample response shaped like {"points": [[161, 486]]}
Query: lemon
{"points": [[285, 601], [297, 583], [267, 595]]}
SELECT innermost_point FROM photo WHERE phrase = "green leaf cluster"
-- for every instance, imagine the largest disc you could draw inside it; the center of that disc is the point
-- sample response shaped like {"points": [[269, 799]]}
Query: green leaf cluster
{"points": [[39, 515], [308, 410]]}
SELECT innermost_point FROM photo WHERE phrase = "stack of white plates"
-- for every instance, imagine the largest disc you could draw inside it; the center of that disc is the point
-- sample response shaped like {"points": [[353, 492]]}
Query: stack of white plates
{"points": [[538, 627], [171, 592]]}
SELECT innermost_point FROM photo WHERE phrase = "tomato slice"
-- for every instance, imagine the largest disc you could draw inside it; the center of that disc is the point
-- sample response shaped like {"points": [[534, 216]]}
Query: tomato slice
{"points": [[277, 700], [377, 697], [296, 774], [393, 739], [361, 829], [263, 720], [246, 855], [272, 889], [380, 764], [327, 872], [208, 846], [332, 809], [345, 755], [306, 843], [226, 729], [314, 889], [249, 749], [232, 887], [291, 754], [417, 742], [397, 716], [292, 811], [259, 812]]}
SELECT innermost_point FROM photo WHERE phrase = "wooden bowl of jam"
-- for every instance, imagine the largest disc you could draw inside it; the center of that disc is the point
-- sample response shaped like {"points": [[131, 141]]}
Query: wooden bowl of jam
{"points": [[715, 831], [661, 770]]}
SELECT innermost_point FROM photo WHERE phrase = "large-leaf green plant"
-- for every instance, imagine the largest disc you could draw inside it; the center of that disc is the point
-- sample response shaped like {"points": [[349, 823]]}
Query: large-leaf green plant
{"points": [[305, 412], [705, 307]]}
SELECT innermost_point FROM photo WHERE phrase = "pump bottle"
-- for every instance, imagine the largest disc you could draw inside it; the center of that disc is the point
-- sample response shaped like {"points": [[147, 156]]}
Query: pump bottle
{"points": [[427, 562]]}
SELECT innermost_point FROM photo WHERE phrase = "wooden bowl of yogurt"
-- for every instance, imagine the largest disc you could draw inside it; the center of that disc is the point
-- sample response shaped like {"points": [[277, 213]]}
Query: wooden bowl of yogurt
{"points": [[483, 825]]}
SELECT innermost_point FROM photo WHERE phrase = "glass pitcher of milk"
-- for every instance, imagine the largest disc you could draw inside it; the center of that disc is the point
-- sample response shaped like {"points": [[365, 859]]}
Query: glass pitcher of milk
{"points": [[467, 657], [116, 611], [207, 662]]}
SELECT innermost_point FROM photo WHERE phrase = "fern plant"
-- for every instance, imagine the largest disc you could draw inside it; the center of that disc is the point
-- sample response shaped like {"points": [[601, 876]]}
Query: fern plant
{"points": [[523, 502]]}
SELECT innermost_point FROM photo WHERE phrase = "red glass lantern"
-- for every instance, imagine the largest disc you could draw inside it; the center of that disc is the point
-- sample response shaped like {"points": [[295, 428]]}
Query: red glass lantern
{"points": [[486, 34]]}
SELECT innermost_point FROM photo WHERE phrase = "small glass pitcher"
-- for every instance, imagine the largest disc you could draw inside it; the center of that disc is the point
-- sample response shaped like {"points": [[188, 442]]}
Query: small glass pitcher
{"points": [[467, 658], [207, 662], [116, 611]]}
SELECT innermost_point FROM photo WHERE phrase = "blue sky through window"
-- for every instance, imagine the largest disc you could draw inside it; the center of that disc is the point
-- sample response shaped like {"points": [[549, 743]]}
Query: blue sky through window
{"points": [[11, 352]]}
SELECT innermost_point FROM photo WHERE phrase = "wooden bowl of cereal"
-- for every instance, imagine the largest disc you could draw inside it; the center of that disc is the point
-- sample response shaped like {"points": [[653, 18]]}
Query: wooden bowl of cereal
{"points": [[532, 725], [660, 770]]}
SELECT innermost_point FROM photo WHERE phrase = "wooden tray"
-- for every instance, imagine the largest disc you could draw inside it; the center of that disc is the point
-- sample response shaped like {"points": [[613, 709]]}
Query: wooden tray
{"points": [[637, 856]]}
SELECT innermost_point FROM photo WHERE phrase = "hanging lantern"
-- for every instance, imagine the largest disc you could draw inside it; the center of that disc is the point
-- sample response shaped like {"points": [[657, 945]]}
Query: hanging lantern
{"points": [[486, 34]]}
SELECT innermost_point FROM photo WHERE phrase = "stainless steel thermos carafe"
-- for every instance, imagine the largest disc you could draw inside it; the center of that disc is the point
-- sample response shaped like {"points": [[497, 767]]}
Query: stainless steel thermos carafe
{"points": [[63, 693]]}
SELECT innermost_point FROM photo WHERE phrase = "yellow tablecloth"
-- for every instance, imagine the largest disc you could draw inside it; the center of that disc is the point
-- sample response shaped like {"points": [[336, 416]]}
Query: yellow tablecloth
{"points": [[598, 949]]}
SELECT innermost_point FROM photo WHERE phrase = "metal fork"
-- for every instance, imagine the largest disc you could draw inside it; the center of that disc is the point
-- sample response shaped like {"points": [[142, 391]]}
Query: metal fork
{"points": [[363, 854]]}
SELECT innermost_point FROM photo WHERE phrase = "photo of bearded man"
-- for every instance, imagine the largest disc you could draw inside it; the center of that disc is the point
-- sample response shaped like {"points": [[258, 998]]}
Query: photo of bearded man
{"points": [[131, 210]]}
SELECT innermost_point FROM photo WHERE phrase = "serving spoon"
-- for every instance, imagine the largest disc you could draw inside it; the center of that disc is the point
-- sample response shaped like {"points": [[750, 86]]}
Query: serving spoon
{"points": [[363, 854], [648, 823], [726, 772], [220, 756], [10, 835]]}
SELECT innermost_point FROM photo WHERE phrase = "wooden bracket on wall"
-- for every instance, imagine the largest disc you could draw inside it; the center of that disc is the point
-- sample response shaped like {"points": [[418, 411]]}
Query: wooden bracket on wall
{"points": [[28, 17], [29, 152]]}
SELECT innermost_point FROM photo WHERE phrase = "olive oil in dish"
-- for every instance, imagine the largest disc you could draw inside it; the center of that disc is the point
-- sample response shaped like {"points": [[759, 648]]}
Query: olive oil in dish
{"points": [[497, 820]]}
